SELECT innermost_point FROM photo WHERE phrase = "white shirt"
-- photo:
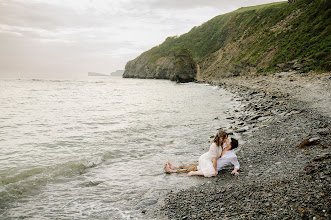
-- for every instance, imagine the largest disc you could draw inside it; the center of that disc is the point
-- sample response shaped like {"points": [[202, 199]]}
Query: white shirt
{"points": [[229, 158]]}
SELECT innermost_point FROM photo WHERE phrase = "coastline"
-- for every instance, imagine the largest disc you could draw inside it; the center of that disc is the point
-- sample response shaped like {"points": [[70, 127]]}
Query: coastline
{"points": [[277, 178]]}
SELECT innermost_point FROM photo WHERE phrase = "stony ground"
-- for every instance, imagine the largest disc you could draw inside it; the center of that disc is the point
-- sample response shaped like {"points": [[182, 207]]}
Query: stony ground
{"points": [[278, 179]]}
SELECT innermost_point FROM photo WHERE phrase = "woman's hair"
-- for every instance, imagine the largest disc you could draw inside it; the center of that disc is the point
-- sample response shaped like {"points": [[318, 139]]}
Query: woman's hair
{"points": [[221, 134], [234, 143]]}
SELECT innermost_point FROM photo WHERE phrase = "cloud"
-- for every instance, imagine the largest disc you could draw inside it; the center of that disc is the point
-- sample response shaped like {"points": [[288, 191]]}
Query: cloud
{"points": [[78, 35]]}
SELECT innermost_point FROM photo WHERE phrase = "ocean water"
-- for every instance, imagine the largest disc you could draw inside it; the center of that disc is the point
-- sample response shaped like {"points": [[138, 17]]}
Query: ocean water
{"points": [[94, 148]]}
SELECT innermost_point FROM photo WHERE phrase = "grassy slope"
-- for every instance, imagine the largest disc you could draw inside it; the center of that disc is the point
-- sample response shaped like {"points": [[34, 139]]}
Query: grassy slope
{"points": [[301, 30]]}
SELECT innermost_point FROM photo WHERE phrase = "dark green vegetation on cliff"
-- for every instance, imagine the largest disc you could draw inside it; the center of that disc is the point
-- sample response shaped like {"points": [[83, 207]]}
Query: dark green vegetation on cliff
{"points": [[267, 38]]}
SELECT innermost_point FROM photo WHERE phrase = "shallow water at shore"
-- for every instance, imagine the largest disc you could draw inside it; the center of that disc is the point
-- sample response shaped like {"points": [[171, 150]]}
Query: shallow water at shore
{"points": [[95, 147]]}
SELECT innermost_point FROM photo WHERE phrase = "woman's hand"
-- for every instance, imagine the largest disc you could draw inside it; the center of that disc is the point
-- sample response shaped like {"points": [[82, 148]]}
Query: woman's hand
{"points": [[235, 172], [216, 172]]}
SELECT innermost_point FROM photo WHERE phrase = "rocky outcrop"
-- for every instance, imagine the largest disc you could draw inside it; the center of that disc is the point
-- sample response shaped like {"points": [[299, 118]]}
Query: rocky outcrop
{"points": [[142, 68], [180, 67], [185, 69]]}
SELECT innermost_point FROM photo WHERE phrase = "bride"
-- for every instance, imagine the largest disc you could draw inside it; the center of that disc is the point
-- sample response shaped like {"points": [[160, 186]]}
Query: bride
{"points": [[208, 161]]}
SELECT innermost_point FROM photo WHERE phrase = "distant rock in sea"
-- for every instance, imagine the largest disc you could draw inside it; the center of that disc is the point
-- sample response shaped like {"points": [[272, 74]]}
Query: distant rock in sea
{"points": [[96, 74], [117, 73]]}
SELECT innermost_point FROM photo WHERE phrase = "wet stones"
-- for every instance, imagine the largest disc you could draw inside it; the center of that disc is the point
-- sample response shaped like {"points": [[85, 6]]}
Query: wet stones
{"points": [[255, 117], [240, 130], [324, 131]]}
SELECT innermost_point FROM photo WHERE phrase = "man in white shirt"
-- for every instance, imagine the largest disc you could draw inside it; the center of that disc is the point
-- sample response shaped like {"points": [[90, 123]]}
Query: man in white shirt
{"points": [[228, 156]]}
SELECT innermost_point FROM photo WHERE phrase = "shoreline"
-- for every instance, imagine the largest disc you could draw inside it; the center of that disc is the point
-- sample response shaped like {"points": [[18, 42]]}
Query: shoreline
{"points": [[277, 178]]}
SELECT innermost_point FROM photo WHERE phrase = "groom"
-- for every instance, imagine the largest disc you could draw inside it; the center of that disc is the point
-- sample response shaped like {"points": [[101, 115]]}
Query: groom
{"points": [[227, 157]]}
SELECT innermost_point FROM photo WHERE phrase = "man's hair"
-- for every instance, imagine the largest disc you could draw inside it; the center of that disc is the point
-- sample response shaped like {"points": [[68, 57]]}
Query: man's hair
{"points": [[234, 143]]}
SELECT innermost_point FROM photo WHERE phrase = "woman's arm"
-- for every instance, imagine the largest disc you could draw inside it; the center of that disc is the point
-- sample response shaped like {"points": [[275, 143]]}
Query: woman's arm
{"points": [[213, 155], [215, 164]]}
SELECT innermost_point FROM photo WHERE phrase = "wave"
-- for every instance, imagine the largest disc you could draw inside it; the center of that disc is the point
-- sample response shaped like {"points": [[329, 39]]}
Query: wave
{"points": [[38, 80], [31, 180], [49, 80]]}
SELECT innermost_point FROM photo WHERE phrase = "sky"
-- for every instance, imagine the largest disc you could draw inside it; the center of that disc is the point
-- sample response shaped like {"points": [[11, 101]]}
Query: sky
{"points": [[61, 38]]}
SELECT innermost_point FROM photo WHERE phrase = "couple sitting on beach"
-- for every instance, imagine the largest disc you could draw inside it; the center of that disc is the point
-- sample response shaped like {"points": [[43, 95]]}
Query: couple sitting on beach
{"points": [[221, 153]]}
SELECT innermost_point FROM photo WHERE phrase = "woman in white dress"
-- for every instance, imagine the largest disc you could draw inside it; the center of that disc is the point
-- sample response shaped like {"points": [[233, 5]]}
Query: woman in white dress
{"points": [[208, 161]]}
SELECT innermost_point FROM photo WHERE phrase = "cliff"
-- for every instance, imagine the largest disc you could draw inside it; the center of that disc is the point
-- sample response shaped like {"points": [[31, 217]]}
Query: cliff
{"points": [[261, 39]]}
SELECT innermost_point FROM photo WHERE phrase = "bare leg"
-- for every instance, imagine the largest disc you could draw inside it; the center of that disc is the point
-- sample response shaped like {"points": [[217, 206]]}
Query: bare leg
{"points": [[192, 173], [172, 166], [168, 170]]}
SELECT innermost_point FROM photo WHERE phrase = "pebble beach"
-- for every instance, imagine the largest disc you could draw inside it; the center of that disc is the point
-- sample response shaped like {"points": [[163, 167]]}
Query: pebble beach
{"points": [[284, 125]]}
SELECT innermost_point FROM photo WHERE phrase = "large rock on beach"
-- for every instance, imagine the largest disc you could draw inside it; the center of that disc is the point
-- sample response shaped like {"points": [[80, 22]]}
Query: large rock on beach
{"points": [[185, 67]]}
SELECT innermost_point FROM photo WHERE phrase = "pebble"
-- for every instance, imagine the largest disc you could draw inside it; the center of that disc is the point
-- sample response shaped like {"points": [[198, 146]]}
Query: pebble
{"points": [[263, 118], [241, 130]]}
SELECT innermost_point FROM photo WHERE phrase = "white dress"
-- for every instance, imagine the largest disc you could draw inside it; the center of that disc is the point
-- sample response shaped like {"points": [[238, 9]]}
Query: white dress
{"points": [[206, 162]]}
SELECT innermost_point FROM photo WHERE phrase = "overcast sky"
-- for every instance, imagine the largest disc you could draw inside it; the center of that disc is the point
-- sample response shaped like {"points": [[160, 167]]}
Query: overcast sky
{"points": [[59, 38]]}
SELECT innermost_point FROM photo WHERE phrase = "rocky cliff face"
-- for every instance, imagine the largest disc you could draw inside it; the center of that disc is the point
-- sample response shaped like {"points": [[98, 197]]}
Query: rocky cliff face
{"points": [[181, 67], [185, 68], [142, 68], [260, 39]]}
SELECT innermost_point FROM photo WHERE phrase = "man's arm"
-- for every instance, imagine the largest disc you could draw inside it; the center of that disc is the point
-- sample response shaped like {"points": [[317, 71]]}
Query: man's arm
{"points": [[235, 162], [235, 171]]}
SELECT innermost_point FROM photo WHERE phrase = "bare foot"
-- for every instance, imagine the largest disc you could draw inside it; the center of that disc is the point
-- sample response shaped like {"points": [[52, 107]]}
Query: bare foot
{"points": [[171, 165], [190, 173], [166, 168]]}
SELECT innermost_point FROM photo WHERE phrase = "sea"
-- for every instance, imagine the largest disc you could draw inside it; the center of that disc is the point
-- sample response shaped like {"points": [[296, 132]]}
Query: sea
{"points": [[95, 147]]}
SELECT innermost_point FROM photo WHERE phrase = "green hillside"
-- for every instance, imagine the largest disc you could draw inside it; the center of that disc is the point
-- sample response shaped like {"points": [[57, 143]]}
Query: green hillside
{"points": [[267, 38]]}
